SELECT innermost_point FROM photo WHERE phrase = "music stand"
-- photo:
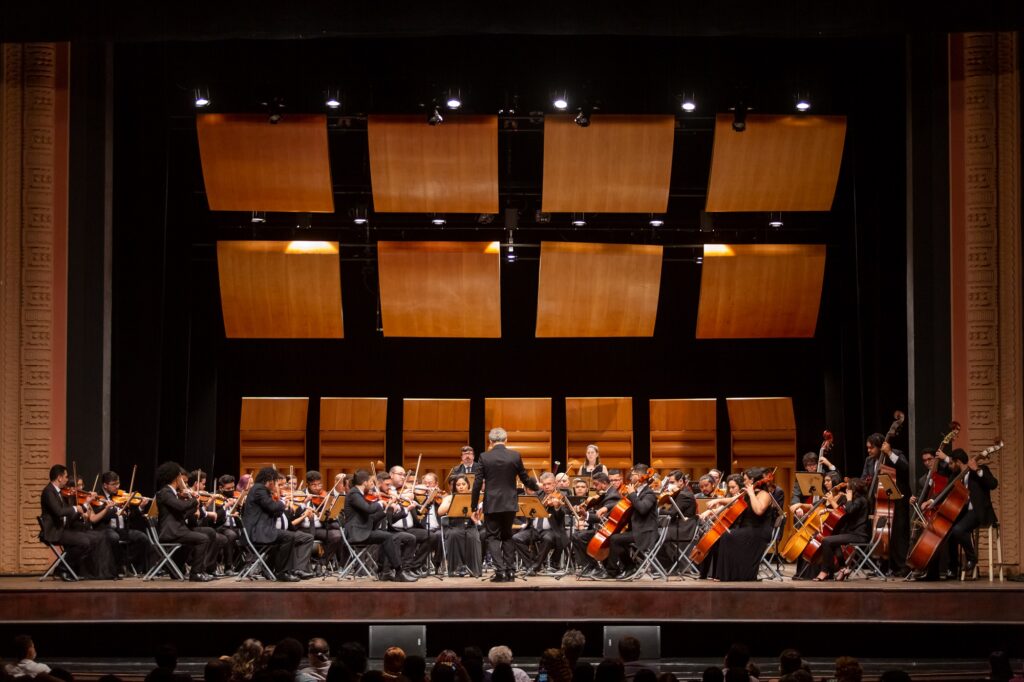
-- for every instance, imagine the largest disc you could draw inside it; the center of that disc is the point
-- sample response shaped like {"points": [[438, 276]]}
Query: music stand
{"points": [[811, 483], [530, 507], [461, 506]]}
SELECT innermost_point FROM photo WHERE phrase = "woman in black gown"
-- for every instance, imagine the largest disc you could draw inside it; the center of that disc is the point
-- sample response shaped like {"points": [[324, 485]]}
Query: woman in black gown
{"points": [[740, 550], [855, 526], [462, 537]]}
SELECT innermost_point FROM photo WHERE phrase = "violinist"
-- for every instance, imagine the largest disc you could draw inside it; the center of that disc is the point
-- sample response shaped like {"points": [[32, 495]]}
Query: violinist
{"points": [[881, 453], [227, 522], [678, 502], [592, 462], [361, 519], [465, 553], [740, 550], [405, 517], [89, 552], [206, 517], [329, 533], [595, 509], [720, 485], [110, 516], [643, 530], [176, 503], [468, 465], [853, 527], [291, 551], [426, 513], [546, 534], [563, 483]]}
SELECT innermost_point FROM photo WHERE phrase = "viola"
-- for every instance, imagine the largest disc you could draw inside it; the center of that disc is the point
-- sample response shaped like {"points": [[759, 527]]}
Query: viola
{"points": [[618, 517], [725, 520]]}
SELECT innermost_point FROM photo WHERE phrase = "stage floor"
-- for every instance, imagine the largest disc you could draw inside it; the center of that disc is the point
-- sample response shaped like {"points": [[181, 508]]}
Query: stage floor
{"points": [[27, 600]]}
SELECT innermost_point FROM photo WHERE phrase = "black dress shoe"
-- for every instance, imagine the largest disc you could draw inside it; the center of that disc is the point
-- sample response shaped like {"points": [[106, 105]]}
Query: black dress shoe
{"points": [[403, 577], [303, 575], [499, 577], [386, 576], [200, 578], [531, 571], [287, 577]]}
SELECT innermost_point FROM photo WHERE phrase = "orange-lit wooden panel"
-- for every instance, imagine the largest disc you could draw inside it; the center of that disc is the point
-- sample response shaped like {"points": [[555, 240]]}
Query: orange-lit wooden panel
{"points": [[437, 429], [440, 289], [764, 434], [605, 422], [618, 164], [684, 436], [528, 423], [598, 290], [353, 433], [280, 290], [272, 432], [250, 164], [779, 163], [750, 291], [420, 168]]}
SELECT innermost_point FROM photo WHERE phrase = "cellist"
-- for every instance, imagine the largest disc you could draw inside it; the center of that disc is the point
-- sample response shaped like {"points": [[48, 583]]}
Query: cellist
{"points": [[596, 509], [740, 550], [643, 524], [880, 453], [733, 489], [855, 528]]}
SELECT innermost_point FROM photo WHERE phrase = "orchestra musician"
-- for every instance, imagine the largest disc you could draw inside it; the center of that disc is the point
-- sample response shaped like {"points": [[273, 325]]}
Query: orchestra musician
{"points": [[643, 524], [599, 505], [800, 504], [978, 512], [465, 555], [715, 506], [706, 485], [113, 519], [880, 453], [206, 516], [678, 502], [263, 507], [468, 464], [592, 462], [431, 547], [935, 462], [362, 518], [853, 527], [740, 550], [499, 468], [405, 519], [546, 534], [176, 503], [89, 552], [227, 522], [328, 534], [580, 487]]}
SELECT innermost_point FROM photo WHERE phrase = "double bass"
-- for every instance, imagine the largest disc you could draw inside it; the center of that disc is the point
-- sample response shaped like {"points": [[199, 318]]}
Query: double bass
{"points": [[725, 520], [936, 481], [883, 505], [945, 509], [618, 518]]}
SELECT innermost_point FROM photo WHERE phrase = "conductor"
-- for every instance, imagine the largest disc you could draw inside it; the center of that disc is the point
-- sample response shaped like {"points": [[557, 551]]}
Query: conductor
{"points": [[499, 467]]}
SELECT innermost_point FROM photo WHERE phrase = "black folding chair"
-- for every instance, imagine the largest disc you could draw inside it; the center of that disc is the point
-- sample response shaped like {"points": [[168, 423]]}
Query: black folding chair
{"points": [[59, 554]]}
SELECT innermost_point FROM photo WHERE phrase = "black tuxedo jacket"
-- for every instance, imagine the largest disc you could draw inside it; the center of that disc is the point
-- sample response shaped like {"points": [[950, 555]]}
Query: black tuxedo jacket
{"points": [[609, 498], [260, 514], [644, 520], [687, 504], [58, 514], [461, 469], [980, 488], [556, 517], [174, 513], [361, 517], [499, 467]]}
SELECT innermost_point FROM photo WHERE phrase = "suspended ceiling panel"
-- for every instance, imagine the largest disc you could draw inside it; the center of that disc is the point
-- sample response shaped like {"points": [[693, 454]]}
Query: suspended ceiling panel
{"points": [[280, 290], [447, 168], [618, 164], [250, 164], [440, 289], [779, 163], [759, 291], [598, 290]]}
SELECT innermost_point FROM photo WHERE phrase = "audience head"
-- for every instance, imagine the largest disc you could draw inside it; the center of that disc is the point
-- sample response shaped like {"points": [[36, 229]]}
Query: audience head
{"points": [[502, 673], [610, 670], [394, 660], [318, 651], [353, 655], [557, 667], [415, 668], [339, 672], [166, 656], [287, 655], [217, 670], [790, 661], [573, 642], [473, 662], [246, 659], [24, 648], [737, 657], [499, 654], [712, 674], [848, 669], [645, 675], [629, 649], [999, 665]]}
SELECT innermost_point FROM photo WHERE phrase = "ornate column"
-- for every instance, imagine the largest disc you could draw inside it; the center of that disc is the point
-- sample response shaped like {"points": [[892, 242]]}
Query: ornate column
{"points": [[33, 289], [986, 261]]}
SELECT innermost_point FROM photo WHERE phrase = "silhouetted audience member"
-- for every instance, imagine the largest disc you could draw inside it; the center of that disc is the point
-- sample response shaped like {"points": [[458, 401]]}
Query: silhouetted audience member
{"points": [[573, 642], [502, 672], [712, 674], [319, 654], [798, 675], [790, 661], [25, 653], [609, 670], [894, 676], [339, 672], [415, 668], [645, 675], [166, 659], [353, 655], [737, 660], [848, 669], [217, 670]]}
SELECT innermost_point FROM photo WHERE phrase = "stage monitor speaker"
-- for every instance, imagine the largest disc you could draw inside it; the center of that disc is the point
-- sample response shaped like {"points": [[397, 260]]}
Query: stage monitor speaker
{"points": [[412, 639], [649, 636]]}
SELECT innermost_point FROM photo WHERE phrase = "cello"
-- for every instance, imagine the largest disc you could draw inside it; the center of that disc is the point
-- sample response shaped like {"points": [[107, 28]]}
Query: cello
{"points": [[947, 507], [794, 538], [618, 517], [883, 505], [815, 521], [725, 520]]}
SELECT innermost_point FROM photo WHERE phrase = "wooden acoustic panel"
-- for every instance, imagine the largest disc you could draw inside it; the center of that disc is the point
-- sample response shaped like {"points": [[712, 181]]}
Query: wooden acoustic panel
{"points": [[779, 163], [598, 290], [250, 164], [528, 423], [752, 291], [605, 422], [272, 432], [268, 293], [436, 429], [440, 289], [684, 436], [353, 433], [618, 164], [420, 168], [764, 434]]}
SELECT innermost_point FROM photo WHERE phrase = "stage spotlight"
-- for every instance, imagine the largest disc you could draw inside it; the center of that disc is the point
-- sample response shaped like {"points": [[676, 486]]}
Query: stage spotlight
{"points": [[435, 117], [655, 222], [739, 117], [689, 103], [454, 100], [699, 260], [803, 102], [579, 220], [259, 217], [582, 119], [775, 220], [437, 220], [510, 254], [561, 102], [332, 101], [541, 217], [202, 98], [359, 216]]}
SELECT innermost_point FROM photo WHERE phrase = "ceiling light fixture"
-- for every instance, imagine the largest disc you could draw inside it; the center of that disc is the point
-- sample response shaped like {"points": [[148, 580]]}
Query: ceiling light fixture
{"points": [[739, 117], [655, 222], [359, 216], [259, 217], [579, 220], [582, 118], [561, 102], [803, 102], [202, 98], [775, 220], [510, 254], [333, 100], [689, 104], [437, 220], [454, 100]]}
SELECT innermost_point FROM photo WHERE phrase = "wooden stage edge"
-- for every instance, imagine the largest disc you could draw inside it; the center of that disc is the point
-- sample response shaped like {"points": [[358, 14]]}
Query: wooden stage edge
{"points": [[26, 600]]}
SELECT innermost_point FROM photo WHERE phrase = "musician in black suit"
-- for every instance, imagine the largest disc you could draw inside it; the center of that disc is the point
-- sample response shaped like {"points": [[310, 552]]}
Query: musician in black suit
{"points": [[260, 514], [547, 533], [468, 465], [681, 508], [113, 520], [643, 524], [978, 512], [362, 519], [880, 453], [175, 503], [89, 552], [499, 468], [608, 497]]}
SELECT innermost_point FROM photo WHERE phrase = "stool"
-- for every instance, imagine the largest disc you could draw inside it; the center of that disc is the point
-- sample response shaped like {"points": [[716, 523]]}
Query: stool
{"points": [[994, 538]]}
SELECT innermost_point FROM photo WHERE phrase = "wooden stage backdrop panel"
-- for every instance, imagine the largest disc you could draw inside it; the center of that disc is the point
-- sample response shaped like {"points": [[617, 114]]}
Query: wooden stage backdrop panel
{"points": [[750, 291], [779, 163], [250, 164], [598, 290], [440, 289], [353, 433], [764, 434], [273, 432], [528, 423], [605, 422], [280, 290], [437, 429], [420, 168], [684, 435], [618, 164]]}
